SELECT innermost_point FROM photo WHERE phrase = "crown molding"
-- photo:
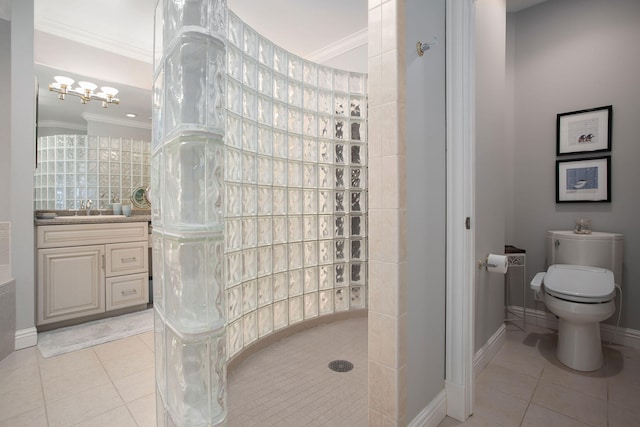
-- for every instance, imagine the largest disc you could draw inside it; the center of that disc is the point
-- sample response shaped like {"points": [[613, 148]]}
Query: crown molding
{"points": [[98, 41], [113, 121], [59, 124], [339, 47]]}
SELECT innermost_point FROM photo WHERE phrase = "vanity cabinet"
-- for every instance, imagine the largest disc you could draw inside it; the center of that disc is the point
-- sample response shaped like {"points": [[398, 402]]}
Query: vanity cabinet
{"points": [[89, 269]]}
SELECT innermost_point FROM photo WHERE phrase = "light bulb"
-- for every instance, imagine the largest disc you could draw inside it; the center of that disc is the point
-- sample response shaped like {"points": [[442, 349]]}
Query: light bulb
{"points": [[62, 80], [109, 90], [87, 86]]}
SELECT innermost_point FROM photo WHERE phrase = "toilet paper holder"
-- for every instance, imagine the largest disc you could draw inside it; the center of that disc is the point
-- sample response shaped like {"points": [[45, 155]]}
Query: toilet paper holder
{"points": [[494, 263], [485, 263]]}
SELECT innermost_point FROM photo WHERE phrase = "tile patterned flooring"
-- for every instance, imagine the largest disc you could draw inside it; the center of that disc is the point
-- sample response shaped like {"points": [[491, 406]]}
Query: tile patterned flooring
{"points": [[289, 384], [113, 385], [525, 385]]}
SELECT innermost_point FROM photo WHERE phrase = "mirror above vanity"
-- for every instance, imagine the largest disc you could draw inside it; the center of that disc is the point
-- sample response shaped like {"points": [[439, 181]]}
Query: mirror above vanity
{"points": [[87, 152]]}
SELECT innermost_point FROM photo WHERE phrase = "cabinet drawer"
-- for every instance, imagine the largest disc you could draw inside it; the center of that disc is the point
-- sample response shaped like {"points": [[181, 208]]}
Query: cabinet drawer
{"points": [[127, 258], [125, 291]]}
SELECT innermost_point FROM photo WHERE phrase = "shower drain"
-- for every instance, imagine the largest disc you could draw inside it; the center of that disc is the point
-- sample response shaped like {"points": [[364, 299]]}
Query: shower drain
{"points": [[340, 366]]}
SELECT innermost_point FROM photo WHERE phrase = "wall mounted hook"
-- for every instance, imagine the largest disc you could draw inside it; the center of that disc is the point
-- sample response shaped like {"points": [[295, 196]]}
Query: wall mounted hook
{"points": [[421, 48]]}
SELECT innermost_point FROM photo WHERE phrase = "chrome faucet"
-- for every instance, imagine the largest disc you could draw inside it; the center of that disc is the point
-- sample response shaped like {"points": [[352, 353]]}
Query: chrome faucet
{"points": [[88, 206]]}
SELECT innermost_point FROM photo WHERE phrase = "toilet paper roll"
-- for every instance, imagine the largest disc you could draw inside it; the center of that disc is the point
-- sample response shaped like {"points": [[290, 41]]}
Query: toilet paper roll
{"points": [[497, 263]]}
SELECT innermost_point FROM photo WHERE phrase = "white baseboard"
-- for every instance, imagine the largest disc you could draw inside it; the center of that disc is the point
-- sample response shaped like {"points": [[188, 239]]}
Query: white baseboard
{"points": [[483, 356], [609, 333], [432, 414], [26, 338]]}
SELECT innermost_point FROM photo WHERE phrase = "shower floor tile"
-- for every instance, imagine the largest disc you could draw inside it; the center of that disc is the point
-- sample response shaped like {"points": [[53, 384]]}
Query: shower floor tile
{"points": [[289, 383]]}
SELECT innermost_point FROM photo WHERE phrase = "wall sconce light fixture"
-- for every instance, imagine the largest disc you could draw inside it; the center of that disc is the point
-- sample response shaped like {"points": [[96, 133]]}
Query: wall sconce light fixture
{"points": [[85, 91]]}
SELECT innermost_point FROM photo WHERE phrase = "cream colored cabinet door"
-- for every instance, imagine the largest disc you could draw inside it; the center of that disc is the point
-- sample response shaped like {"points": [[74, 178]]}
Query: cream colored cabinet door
{"points": [[71, 283]]}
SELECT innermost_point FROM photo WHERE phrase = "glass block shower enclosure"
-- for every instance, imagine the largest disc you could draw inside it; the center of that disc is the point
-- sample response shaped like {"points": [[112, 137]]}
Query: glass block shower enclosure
{"points": [[259, 208]]}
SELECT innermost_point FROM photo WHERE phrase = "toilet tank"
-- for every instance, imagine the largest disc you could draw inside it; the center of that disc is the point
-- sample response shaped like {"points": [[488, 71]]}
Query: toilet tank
{"points": [[597, 249]]}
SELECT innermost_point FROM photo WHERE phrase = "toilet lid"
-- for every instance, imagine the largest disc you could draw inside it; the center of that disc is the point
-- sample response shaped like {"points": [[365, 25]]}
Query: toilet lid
{"points": [[580, 283]]}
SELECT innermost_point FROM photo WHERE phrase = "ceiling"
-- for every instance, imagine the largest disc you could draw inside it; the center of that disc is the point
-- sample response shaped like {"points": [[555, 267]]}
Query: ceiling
{"points": [[306, 28], [300, 26], [125, 28]]}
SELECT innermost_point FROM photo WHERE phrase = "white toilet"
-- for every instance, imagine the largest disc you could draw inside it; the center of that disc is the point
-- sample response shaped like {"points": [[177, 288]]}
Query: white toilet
{"points": [[579, 288]]}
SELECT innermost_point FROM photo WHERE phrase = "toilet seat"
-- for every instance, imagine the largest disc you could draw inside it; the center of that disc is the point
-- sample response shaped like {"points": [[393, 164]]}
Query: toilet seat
{"points": [[581, 284]]}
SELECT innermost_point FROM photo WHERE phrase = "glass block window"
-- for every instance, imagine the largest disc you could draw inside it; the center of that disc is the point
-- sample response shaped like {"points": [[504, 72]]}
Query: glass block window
{"points": [[74, 168]]}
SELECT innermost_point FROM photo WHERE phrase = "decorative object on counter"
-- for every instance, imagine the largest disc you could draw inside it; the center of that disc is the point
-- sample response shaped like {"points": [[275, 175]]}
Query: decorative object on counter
{"points": [[126, 210], [139, 199], [583, 226], [85, 91], [584, 131], [583, 180], [147, 195]]}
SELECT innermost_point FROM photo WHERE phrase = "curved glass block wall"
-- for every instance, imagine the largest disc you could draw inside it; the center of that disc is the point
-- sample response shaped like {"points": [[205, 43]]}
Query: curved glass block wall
{"points": [[259, 198], [74, 168], [295, 181], [187, 171]]}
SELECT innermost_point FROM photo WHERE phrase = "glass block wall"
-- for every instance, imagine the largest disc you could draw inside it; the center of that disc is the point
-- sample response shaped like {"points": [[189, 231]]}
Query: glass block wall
{"points": [[259, 211], [187, 171], [295, 181], [74, 168]]}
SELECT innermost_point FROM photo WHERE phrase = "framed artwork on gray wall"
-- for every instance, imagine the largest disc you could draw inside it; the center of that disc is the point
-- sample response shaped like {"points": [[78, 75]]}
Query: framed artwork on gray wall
{"points": [[583, 180], [584, 131]]}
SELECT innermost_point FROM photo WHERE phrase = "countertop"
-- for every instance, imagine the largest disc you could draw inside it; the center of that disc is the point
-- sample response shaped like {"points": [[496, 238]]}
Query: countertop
{"points": [[93, 219]]}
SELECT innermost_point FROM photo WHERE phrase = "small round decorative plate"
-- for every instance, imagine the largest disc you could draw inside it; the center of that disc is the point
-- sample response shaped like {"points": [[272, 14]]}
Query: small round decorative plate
{"points": [[139, 199]]}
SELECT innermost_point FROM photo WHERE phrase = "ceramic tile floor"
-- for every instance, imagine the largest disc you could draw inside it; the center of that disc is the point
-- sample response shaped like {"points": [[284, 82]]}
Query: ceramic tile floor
{"points": [[526, 386], [289, 384], [107, 385], [112, 385]]}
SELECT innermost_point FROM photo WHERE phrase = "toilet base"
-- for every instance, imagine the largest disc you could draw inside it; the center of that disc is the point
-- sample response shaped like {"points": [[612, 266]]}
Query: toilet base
{"points": [[579, 345]]}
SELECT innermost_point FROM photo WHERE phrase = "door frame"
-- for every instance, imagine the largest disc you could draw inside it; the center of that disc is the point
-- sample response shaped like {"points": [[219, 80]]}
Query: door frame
{"points": [[460, 296]]}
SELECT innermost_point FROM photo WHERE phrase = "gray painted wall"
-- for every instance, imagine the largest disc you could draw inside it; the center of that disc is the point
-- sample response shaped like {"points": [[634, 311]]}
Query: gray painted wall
{"points": [[571, 55], [5, 123], [490, 218], [426, 203], [22, 155]]}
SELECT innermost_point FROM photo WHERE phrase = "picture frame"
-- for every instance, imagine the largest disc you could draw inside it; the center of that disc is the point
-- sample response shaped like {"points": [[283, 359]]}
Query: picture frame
{"points": [[583, 180], [584, 131]]}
